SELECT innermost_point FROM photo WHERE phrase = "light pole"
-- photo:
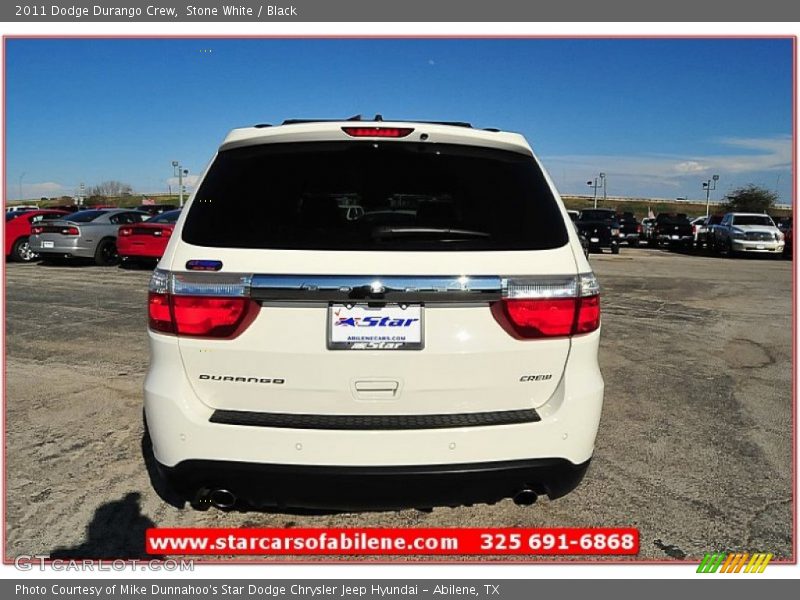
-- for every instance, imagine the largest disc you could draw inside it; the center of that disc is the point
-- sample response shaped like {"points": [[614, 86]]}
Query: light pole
{"points": [[708, 186], [179, 171], [604, 183], [594, 185], [20, 184]]}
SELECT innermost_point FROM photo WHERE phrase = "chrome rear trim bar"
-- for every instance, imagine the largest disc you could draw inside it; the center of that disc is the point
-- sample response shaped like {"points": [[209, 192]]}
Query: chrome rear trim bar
{"points": [[363, 288]]}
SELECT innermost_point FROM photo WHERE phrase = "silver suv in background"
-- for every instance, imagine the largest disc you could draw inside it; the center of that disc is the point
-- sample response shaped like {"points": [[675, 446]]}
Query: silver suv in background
{"points": [[747, 233]]}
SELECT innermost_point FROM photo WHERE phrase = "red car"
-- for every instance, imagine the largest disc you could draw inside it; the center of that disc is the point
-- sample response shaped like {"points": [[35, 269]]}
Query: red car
{"points": [[18, 228], [146, 240]]}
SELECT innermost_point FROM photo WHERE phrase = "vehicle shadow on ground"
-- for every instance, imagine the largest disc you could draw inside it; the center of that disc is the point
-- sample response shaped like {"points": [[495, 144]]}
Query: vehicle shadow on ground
{"points": [[117, 531], [135, 265], [176, 500], [69, 263]]}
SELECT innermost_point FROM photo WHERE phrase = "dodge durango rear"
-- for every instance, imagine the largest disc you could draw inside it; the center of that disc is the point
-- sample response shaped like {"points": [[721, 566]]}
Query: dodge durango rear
{"points": [[373, 314]]}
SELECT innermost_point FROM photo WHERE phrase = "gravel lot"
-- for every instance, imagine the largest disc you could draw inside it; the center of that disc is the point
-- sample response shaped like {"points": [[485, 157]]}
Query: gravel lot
{"points": [[695, 446]]}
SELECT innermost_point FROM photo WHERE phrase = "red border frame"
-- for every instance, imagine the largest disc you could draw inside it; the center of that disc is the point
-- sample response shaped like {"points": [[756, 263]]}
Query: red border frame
{"points": [[487, 560]]}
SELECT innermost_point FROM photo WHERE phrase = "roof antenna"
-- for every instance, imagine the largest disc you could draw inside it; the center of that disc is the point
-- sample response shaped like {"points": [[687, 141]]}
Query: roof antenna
{"points": [[379, 117], [355, 118]]}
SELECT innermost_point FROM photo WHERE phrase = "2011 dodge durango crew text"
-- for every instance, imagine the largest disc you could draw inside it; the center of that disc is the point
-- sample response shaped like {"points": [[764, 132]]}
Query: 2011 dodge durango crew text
{"points": [[371, 314]]}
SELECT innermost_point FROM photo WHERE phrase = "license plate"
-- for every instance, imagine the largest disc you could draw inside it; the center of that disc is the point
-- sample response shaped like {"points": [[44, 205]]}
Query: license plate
{"points": [[362, 327], [48, 244], [594, 240], [759, 246]]}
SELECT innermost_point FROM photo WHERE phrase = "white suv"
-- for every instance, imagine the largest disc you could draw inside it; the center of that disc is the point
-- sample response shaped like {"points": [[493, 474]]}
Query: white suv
{"points": [[437, 348]]}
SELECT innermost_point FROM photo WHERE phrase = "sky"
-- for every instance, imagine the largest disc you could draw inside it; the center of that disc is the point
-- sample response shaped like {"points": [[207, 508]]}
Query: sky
{"points": [[658, 117]]}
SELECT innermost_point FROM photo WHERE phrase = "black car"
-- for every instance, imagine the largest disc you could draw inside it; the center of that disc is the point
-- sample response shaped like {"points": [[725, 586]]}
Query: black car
{"points": [[629, 229], [672, 230], [601, 228], [705, 233], [584, 241], [785, 225]]}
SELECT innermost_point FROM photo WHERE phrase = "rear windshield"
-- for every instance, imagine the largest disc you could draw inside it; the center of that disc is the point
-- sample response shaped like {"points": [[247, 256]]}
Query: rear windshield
{"points": [[374, 196], [84, 216], [663, 218], [753, 220], [167, 217], [597, 215]]}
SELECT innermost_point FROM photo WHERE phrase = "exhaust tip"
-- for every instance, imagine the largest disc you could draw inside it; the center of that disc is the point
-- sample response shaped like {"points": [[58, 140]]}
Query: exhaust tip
{"points": [[525, 497], [222, 499]]}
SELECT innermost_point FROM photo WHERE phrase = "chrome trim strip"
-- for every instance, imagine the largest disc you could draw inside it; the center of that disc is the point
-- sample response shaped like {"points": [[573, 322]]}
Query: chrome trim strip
{"points": [[363, 288]]}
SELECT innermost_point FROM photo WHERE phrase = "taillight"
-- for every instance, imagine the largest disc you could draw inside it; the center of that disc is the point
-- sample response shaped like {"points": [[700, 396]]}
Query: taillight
{"points": [[205, 316], [70, 231], [588, 314], [543, 308], [36, 230], [638, 229], [383, 132], [160, 313], [125, 231], [542, 318], [194, 305], [165, 232]]}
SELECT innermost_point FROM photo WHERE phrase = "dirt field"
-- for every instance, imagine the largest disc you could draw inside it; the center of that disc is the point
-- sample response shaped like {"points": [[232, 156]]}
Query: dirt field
{"points": [[694, 449]]}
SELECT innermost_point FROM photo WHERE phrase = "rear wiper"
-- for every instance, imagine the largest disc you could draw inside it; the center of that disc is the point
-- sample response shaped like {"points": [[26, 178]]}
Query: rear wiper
{"points": [[380, 233]]}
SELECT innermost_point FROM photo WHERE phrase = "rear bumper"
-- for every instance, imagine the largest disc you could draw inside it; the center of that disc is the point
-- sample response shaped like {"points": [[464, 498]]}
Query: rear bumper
{"points": [[627, 237], [140, 250], [675, 239], [62, 247], [388, 488], [268, 464], [603, 242]]}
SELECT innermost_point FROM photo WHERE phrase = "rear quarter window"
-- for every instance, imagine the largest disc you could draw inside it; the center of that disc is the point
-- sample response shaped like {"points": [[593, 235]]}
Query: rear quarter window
{"points": [[85, 216], [374, 196]]}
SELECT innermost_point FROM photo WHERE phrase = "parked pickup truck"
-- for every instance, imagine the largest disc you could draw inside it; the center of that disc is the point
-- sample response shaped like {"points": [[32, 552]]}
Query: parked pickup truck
{"points": [[673, 230], [703, 235], [601, 229], [747, 233], [629, 229]]}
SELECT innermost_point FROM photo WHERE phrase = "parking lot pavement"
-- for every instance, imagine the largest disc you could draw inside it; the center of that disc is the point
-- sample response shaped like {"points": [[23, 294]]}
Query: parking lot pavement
{"points": [[694, 447]]}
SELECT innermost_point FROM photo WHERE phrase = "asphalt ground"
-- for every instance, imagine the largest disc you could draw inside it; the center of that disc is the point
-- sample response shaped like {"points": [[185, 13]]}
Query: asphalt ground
{"points": [[694, 448]]}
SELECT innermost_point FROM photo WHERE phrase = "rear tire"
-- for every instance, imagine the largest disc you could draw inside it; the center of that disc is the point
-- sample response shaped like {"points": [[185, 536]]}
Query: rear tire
{"points": [[21, 252], [106, 253], [614, 249]]}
